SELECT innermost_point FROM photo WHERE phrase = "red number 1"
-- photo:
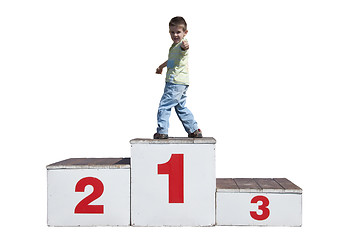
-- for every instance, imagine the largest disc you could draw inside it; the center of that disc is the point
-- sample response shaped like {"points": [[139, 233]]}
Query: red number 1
{"points": [[174, 168]]}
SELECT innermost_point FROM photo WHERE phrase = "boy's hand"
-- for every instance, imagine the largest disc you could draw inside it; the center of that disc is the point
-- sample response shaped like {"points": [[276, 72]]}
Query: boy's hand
{"points": [[184, 45], [159, 70]]}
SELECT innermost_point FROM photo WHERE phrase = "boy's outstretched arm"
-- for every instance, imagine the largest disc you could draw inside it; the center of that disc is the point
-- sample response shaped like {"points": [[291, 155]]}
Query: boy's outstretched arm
{"points": [[185, 45], [160, 68]]}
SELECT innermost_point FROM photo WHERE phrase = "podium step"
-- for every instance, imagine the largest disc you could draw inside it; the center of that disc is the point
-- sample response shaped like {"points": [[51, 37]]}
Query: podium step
{"points": [[89, 163], [166, 175], [258, 201], [174, 140], [89, 192]]}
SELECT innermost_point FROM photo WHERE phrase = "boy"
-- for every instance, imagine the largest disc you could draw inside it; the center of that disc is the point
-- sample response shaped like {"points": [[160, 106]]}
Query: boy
{"points": [[177, 83]]}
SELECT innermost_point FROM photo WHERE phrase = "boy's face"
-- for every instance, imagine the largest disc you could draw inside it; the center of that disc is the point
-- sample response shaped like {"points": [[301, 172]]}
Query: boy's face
{"points": [[177, 33]]}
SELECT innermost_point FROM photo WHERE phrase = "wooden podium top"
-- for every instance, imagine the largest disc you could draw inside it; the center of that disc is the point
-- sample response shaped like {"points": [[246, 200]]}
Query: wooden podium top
{"points": [[91, 163], [278, 185], [174, 140]]}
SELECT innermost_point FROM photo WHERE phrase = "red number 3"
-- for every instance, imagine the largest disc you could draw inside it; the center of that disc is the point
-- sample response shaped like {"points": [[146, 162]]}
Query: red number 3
{"points": [[263, 207], [98, 188]]}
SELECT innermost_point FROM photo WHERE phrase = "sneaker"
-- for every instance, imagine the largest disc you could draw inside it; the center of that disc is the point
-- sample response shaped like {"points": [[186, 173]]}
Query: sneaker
{"points": [[196, 134], [160, 136]]}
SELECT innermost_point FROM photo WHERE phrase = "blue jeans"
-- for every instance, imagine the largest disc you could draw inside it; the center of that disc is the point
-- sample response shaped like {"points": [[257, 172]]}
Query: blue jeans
{"points": [[175, 96]]}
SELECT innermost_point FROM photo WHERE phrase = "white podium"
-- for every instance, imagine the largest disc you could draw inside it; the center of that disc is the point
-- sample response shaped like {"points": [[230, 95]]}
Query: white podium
{"points": [[258, 202], [173, 182], [170, 182], [89, 192]]}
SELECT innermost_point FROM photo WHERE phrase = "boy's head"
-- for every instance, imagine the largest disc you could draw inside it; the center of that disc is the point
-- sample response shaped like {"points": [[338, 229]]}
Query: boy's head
{"points": [[178, 21], [177, 29]]}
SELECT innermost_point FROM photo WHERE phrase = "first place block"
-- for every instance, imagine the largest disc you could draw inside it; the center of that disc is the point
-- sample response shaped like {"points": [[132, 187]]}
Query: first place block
{"points": [[89, 192], [173, 182]]}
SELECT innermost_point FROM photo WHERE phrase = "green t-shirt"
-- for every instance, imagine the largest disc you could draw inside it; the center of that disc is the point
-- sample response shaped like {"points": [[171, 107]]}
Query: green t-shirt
{"points": [[177, 65]]}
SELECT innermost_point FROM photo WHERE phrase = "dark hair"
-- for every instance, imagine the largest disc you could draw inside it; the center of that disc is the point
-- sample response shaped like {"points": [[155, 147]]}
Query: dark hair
{"points": [[177, 21]]}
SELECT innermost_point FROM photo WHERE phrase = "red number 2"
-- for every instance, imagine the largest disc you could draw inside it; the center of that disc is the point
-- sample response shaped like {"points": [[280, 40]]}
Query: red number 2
{"points": [[98, 188], [174, 168], [263, 207]]}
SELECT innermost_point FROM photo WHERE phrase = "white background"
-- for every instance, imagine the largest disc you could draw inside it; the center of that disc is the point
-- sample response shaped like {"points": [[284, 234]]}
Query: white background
{"points": [[267, 81]]}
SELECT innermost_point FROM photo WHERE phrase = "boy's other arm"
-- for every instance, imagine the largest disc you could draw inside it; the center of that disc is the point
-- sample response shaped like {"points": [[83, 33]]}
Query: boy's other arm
{"points": [[160, 68]]}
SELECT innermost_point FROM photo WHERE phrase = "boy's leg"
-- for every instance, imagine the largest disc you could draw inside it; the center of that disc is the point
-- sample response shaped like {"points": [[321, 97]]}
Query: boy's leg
{"points": [[167, 102], [184, 114]]}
